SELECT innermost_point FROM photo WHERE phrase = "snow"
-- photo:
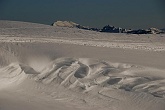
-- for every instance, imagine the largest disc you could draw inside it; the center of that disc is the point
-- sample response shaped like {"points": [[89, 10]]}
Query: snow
{"points": [[46, 68]]}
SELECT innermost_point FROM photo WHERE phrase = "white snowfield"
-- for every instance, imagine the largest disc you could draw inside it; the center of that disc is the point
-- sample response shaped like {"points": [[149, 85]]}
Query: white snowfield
{"points": [[57, 68]]}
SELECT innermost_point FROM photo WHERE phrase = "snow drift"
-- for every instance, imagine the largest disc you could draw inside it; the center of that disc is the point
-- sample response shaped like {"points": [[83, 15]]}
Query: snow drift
{"points": [[40, 72], [94, 78]]}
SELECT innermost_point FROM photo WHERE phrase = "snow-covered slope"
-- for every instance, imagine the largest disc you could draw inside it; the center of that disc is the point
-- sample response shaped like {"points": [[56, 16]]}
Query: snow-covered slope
{"points": [[44, 67]]}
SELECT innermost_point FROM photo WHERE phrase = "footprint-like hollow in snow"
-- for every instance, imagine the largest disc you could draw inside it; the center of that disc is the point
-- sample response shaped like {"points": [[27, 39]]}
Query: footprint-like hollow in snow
{"points": [[114, 81], [82, 72]]}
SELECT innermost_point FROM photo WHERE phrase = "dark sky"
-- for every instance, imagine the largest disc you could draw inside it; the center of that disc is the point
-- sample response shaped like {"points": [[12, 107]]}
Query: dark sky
{"points": [[133, 14]]}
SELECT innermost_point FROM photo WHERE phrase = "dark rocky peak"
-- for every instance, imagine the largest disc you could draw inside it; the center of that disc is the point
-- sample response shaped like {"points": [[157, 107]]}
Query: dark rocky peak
{"points": [[112, 29]]}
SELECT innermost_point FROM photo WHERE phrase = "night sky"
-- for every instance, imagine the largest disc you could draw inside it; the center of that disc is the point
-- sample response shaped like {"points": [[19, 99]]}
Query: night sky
{"points": [[133, 14]]}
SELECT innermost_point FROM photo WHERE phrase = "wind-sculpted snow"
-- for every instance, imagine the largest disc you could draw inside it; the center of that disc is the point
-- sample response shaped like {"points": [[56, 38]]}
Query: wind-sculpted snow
{"points": [[15, 74], [85, 75], [46, 68]]}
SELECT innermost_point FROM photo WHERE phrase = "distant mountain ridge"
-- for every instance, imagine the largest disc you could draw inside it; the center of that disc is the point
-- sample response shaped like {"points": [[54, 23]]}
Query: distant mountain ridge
{"points": [[109, 28], [71, 24]]}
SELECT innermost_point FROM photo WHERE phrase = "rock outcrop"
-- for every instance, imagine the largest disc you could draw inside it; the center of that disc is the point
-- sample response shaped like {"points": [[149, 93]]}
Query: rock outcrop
{"points": [[65, 24], [156, 31], [146, 31], [71, 24], [113, 29], [139, 31]]}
